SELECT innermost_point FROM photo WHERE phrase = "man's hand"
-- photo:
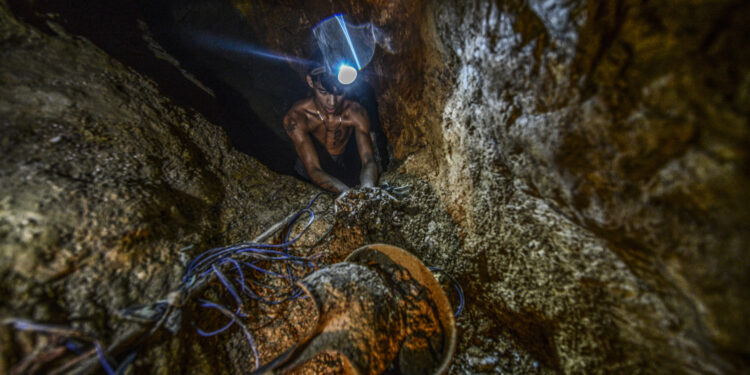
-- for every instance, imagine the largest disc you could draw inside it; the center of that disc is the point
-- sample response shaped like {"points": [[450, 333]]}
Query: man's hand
{"points": [[363, 201], [365, 193]]}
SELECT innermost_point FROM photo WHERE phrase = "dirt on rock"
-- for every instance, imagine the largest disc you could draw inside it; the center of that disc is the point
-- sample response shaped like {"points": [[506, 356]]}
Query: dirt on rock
{"points": [[579, 168]]}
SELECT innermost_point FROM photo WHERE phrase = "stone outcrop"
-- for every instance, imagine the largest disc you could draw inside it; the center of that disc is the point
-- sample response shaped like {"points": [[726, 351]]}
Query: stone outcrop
{"points": [[596, 166], [581, 167], [593, 159], [107, 189]]}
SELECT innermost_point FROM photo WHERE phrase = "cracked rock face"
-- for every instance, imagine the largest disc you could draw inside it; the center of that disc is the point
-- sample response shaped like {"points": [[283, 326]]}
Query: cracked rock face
{"points": [[593, 160], [601, 177], [105, 186], [580, 167]]}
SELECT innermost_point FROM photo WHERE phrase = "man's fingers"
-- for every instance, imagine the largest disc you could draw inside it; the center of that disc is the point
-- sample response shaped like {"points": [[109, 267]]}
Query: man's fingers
{"points": [[343, 194]]}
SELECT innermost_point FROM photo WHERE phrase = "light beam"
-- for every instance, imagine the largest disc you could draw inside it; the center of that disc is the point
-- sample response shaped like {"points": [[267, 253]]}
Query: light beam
{"points": [[224, 43], [340, 18]]}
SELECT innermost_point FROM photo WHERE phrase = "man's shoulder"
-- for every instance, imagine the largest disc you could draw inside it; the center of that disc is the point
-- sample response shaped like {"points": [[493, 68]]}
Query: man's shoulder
{"points": [[353, 106], [296, 118], [356, 114], [299, 107], [298, 112]]}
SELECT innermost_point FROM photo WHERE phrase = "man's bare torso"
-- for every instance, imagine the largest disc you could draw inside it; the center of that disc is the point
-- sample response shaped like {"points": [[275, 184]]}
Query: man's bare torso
{"points": [[332, 130], [333, 121]]}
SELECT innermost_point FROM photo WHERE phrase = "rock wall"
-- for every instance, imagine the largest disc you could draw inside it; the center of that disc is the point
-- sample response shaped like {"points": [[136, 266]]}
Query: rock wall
{"points": [[106, 189], [581, 168], [593, 159], [595, 155]]}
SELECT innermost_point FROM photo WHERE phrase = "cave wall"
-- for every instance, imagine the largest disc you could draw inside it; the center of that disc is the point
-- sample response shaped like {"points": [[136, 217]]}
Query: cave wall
{"points": [[107, 189], [196, 51], [592, 156], [581, 168], [619, 120]]}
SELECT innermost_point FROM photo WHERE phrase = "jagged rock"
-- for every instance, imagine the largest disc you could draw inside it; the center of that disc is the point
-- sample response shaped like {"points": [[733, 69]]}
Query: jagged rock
{"points": [[576, 166], [106, 186], [593, 159], [581, 167]]}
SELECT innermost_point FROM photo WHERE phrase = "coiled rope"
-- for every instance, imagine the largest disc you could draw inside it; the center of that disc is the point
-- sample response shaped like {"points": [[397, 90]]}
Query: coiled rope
{"points": [[253, 256]]}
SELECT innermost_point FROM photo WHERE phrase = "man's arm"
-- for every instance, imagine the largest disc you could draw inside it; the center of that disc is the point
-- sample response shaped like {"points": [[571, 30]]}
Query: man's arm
{"points": [[296, 127], [369, 175]]}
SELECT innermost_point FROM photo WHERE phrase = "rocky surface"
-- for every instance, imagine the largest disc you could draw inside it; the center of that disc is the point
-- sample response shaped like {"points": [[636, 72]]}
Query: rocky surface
{"points": [[107, 189], [581, 168], [592, 158]]}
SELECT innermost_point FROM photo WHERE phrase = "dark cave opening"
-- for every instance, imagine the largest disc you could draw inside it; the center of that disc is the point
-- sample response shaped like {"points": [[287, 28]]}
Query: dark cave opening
{"points": [[244, 94]]}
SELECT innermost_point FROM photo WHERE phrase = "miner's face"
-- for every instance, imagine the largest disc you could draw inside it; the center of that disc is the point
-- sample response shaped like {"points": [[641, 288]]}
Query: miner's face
{"points": [[327, 102]]}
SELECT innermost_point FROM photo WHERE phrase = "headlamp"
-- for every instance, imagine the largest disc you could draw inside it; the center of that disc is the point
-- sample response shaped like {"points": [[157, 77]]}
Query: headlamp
{"points": [[346, 48], [346, 74]]}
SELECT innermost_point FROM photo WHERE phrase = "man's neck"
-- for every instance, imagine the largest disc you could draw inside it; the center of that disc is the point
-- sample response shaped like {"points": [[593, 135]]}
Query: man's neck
{"points": [[323, 114]]}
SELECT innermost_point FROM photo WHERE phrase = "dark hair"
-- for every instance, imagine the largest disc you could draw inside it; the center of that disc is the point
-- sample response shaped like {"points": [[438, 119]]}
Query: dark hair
{"points": [[329, 82], [318, 71]]}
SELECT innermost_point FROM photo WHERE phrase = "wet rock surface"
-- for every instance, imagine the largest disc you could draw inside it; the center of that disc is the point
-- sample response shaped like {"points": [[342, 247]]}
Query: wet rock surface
{"points": [[107, 188], [583, 163], [592, 159], [581, 168]]}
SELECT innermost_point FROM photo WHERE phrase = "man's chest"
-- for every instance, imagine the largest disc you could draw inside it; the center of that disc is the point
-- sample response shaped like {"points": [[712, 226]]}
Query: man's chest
{"points": [[334, 138]]}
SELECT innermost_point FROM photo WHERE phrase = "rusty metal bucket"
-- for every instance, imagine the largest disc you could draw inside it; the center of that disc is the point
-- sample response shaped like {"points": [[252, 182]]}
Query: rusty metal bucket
{"points": [[381, 307]]}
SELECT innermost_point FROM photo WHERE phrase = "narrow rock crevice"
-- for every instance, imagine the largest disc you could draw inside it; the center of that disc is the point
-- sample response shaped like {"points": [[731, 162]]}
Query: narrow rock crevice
{"points": [[580, 168]]}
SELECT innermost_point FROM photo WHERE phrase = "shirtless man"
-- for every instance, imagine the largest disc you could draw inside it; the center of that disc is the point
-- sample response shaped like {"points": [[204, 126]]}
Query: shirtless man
{"points": [[332, 136]]}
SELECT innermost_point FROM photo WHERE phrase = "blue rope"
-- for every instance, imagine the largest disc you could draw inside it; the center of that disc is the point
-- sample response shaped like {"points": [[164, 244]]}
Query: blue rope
{"points": [[456, 285], [226, 282], [248, 336], [212, 260], [218, 331], [125, 364], [201, 266], [102, 359], [73, 346]]}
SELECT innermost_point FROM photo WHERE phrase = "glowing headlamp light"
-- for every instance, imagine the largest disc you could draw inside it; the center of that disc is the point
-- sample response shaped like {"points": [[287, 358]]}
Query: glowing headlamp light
{"points": [[346, 74], [346, 48]]}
